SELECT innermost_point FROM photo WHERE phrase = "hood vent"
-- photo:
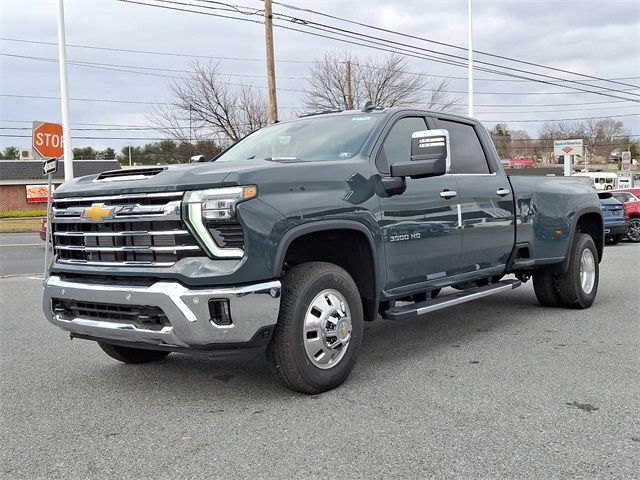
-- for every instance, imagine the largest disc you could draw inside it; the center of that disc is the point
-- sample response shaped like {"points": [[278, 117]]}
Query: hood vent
{"points": [[129, 174]]}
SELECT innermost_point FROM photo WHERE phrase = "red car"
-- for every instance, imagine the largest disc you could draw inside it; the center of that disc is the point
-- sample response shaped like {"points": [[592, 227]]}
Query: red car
{"points": [[521, 163], [630, 198]]}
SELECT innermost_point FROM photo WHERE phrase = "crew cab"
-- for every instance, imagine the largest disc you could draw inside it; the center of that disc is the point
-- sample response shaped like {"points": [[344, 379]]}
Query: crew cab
{"points": [[299, 233]]}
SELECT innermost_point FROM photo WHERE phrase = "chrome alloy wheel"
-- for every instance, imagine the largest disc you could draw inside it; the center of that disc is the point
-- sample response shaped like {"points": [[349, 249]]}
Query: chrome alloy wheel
{"points": [[587, 271], [633, 232], [327, 329]]}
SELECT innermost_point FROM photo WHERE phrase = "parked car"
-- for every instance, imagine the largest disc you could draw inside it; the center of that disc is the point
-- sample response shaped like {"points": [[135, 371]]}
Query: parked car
{"points": [[616, 221], [296, 235], [521, 163], [631, 205]]}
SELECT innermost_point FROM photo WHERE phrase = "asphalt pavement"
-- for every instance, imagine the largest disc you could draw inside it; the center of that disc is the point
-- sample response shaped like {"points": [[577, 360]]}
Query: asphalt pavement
{"points": [[497, 388], [21, 253]]}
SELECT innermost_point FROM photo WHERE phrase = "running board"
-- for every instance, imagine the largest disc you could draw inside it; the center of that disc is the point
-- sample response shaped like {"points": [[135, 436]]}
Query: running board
{"points": [[416, 309]]}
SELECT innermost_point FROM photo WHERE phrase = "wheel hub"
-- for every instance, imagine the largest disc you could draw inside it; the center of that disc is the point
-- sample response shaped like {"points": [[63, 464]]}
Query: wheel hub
{"points": [[587, 271], [327, 329]]}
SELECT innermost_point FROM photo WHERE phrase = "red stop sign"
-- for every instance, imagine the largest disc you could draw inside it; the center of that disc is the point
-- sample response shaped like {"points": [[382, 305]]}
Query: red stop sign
{"points": [[47, 140]]}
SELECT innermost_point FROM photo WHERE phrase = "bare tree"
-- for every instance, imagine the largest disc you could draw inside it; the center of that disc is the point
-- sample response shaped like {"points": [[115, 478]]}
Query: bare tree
{"points": [[207, 105], [387, 82]]}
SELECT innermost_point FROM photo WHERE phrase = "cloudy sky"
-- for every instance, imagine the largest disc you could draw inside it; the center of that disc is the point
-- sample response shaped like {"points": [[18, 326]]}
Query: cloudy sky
{"points": [[598, 38]]}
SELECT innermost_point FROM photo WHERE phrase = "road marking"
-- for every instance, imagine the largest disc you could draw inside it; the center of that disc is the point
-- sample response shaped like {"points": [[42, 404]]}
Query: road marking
{"points": [[23, 245]]}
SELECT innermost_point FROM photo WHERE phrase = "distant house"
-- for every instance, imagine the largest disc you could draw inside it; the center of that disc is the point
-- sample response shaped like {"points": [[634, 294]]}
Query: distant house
{"points": [[22, 185]]}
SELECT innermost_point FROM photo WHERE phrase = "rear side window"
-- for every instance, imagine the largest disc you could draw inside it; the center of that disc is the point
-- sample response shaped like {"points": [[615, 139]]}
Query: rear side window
{"points": [[467, 155]]}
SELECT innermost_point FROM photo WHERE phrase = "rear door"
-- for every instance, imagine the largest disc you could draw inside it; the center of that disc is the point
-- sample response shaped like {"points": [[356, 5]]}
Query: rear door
{"points": [[488, 230], [420, 226]]}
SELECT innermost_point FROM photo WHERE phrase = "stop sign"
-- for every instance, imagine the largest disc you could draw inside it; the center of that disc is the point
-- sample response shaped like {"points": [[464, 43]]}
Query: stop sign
{"points": [[47, 139]]}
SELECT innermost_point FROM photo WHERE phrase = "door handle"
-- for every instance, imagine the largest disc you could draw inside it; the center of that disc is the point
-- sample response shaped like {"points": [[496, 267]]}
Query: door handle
{"points": [[448, 194], [503, 192]]}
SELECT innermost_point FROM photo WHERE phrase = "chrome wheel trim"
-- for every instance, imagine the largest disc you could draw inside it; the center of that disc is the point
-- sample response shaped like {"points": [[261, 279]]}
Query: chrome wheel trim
{"points": [[587, 271], [327, 329], [633, 232]]}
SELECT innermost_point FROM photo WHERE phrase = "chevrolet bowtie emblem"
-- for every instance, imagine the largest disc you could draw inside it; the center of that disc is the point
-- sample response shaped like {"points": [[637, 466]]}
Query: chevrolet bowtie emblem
{"points": [[98, 212]]}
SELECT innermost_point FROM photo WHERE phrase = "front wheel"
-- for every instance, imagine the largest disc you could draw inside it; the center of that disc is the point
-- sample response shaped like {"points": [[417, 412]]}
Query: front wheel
{"points": [[317, 339], [633, 232]]}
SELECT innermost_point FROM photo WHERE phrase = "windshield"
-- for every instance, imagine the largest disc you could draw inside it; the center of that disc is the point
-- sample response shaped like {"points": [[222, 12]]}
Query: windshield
{"points": [[336, 137]]}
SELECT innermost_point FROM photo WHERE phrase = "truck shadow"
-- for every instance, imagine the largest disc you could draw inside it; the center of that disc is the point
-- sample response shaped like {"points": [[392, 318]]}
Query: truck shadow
{"points": [[245, 374]]}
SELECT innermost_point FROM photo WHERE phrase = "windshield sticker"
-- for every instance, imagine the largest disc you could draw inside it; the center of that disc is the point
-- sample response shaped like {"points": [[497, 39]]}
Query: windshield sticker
{"points": [[360, 119], [285, 140], [344, 154]]}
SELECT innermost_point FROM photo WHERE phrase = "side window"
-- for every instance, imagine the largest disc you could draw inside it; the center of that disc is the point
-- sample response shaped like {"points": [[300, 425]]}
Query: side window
{"points": [[397, 144], [467, 155]]}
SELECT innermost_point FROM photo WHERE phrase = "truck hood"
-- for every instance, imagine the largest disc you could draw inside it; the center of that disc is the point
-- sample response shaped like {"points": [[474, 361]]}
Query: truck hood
{"points": [[165, 178]]}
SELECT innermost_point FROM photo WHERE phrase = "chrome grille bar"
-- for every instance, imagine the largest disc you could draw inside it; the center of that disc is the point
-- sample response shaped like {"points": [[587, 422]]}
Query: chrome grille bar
{"points": [[136, 230]]}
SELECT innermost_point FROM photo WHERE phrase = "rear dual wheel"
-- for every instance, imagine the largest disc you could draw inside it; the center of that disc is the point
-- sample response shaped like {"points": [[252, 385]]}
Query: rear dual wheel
{"points": [[575, 288]]}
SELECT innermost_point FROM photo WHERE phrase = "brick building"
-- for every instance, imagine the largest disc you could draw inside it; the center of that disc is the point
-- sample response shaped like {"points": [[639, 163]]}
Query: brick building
{"points": [[19, 176]]}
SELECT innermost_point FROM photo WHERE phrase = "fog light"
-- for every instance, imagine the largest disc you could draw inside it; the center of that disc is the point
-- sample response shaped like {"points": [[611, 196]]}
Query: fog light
{"points": [[220, 311]]}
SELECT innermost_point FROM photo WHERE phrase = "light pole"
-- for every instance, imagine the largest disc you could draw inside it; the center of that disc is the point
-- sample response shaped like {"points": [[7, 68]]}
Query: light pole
{"points": [[470, 32], [64, 95]]}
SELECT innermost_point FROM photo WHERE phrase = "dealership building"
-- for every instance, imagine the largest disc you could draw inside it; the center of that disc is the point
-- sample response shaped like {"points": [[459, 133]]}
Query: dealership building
{"points": [[24, 187]]}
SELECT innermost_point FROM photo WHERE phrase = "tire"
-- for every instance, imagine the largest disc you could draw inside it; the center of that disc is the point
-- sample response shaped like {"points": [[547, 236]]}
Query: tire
{"points": [[613, 239], [633, 232], [297, 334], [546, 289], [132, 355], [574, 291], [608, 187]]}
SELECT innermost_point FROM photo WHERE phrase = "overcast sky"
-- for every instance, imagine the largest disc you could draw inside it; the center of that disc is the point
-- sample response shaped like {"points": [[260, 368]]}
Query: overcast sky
{"points": [[599, 38]]}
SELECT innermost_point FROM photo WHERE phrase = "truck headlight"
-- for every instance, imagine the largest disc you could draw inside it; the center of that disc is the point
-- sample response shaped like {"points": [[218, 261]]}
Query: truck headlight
{"points": [[215, 205]]}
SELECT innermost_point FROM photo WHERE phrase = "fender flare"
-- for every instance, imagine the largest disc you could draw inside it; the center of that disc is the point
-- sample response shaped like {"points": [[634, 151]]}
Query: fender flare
{"points": [[323, 225], [565, 263]]}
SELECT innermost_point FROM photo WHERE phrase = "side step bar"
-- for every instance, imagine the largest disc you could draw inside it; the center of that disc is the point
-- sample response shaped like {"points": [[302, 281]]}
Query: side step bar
{"points": [[416, 309]]}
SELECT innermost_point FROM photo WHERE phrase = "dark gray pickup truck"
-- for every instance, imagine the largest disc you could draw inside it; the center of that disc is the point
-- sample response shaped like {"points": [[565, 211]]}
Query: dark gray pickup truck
{"points": [[296, 235]]}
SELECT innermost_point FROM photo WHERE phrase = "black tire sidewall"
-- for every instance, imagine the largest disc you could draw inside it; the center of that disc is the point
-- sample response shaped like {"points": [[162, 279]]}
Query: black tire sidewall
{"points": [[571, 290], [336, 279]]}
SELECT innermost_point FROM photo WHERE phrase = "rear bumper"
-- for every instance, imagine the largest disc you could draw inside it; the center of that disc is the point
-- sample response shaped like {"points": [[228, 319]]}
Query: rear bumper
{"points": [[253, 309], [616, 228]]}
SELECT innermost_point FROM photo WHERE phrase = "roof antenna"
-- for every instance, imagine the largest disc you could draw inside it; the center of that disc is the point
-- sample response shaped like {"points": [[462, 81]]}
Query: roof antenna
{"points": [[367, 106]]}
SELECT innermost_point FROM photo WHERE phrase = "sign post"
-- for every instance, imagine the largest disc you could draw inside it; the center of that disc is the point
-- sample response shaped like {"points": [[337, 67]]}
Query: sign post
{"points": [[625, 165], [49, 167], [566, 149]]}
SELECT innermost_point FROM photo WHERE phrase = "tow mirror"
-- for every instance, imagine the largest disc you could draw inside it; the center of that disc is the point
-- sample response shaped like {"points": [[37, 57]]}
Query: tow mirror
{"points": [[429, 155]]}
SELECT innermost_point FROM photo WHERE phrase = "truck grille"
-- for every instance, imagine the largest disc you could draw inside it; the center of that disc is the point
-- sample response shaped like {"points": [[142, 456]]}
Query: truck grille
{"points": [[140, 229]]}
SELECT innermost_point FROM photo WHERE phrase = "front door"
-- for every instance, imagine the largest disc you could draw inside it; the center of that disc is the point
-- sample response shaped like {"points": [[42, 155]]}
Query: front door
{"points": [[420, 226]]}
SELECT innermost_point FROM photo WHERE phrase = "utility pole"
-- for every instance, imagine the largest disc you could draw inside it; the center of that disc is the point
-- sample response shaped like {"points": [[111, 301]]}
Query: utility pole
{"points": [[349, 87], [129, 155], [64, 95], [470, 32], [271, 67]]}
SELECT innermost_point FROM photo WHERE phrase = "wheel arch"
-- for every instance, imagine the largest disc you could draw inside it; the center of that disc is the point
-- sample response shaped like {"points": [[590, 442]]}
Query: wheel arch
{"points": [[358, 254]]}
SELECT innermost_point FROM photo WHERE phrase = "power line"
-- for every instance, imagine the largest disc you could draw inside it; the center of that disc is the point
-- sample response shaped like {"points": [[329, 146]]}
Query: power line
{"points": [[405, 52], [111, 67], [415, 37], [247, 59]]}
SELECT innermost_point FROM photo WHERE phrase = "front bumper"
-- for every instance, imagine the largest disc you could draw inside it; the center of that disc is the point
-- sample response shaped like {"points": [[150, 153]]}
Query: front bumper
{"points": [[253, 309]]}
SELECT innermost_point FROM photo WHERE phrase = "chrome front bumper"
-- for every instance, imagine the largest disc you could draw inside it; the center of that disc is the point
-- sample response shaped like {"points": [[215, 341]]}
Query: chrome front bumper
{"points": [[253, 307]]}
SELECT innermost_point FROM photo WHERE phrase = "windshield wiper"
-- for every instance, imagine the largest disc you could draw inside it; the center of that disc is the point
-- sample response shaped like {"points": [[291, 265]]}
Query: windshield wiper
{"points": [[283, 159]]}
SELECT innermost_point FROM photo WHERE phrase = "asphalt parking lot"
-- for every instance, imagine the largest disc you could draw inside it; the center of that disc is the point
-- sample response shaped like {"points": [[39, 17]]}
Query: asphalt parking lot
{"points": [[498, 388]]}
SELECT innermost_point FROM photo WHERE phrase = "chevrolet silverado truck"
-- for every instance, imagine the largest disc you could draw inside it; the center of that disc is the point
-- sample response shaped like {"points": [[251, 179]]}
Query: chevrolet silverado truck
{"points": [[297, 234]]}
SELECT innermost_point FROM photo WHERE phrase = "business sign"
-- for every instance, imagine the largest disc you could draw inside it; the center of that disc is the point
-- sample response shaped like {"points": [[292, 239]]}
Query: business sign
{"points": [[626, 161], [47, 139], [37, 193], [568, 147], [50, 166]]}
